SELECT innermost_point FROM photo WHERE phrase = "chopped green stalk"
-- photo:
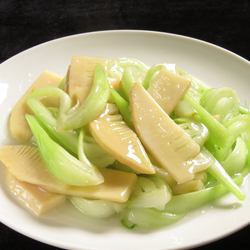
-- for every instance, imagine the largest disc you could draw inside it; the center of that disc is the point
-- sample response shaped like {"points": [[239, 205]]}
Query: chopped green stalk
{"points": [[183, 203], [217, 132], [150, 192], [148, 218], [62, 84], [81, 154], [236, 127], [220, 174], [244, 110], [94, 153], [246, 137], [123, 107], [197, 131], [68, 139], [127, 82], [150, 74], [60, 163], [184, 109], [97, 155], [198, 87], [236, 160], [54, 111], [222, 103], [96, 208], [54, 92], [128, 62], [94, 104]]}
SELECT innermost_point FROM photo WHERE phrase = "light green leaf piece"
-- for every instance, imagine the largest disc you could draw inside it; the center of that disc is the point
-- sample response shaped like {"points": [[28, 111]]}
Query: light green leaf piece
{"points": [[93, 105], [60, 162]]}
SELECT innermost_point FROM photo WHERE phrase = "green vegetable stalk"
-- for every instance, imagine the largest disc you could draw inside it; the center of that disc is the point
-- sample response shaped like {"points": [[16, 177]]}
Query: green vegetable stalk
{"points": [[184, 203], [93, 106], [123, 107], [60, 163]]}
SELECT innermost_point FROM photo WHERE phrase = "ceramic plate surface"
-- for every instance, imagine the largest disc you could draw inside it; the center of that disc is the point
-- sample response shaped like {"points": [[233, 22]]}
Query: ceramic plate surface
{"points": [[66, 227]]}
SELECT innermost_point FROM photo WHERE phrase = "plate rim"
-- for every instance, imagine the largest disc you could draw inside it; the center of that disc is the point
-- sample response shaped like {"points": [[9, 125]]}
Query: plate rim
{"points": [[57, 243]]}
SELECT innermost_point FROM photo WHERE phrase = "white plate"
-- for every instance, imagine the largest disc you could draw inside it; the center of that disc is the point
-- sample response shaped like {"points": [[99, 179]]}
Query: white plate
{"points": [[66, 227]]}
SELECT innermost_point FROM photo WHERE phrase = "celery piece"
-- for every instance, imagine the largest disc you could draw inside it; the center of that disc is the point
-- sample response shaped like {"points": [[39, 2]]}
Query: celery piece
{"points": [[54, 111], [148, 218], [236, 160], [115, 68], [150, 74], [65, 81], [220, 174], [93, 105], [60, 163], [128, 62], [63, 84], [54, 92], [246, 137], [236, 126], [183, 203], [123, 107], [96, 208], [67, 139], [244, 110], [222, 103], [217, 132], [97, 155], [197, 131], [150, 192], [184, 109], [197, 86], [127, 82]]}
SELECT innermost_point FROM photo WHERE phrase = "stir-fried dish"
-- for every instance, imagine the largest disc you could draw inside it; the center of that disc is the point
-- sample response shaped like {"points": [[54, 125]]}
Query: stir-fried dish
{"points": [[119, 138]]}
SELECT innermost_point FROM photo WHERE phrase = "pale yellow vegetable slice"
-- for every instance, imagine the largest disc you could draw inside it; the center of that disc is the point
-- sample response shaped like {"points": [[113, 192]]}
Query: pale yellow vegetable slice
{"points": [[25, 163], [117, 187], [18, 126], [202, 176], [32, 197], [114, 136], [80, 77], [167, 89], [169, 144], [190, 186]]}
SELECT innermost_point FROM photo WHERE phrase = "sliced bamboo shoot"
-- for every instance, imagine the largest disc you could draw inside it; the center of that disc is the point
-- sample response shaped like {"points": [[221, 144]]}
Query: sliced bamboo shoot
{"points": [[169, 144], [113, 134], [18, 126], [81, 74], [25, 163], [189, 186], [32, 197], [167, 89]]}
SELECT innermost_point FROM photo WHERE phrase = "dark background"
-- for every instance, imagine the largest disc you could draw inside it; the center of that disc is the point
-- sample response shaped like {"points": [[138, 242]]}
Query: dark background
{"points": [[27, 23]]}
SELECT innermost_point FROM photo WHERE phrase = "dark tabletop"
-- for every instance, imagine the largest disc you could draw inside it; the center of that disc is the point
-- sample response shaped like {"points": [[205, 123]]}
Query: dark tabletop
{"points": [[27, 23]]}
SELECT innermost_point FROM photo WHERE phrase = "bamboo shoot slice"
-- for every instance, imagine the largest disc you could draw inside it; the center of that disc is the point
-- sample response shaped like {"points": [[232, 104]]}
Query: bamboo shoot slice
{"points": [[18, 126], [113, 134], [169, 144], [32, 197], [25, 163], [81, 74], [167, 89], [187, 187]]}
